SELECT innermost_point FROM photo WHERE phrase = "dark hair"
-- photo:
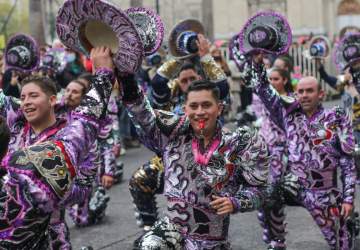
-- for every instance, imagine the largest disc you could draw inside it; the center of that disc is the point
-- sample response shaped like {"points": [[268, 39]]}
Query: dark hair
{"points": [[204, 85], [285, 75], [84, 87], [47, 85], [4, 137], [288, 60], [187, 66], [85, 76]]}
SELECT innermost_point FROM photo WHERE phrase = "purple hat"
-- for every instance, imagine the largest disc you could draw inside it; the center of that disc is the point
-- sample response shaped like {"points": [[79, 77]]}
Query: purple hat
{"points": [[22, 53], [149, 26], [235, 54], [183, 37], [267, 32], [84, 24], [347, 51]]}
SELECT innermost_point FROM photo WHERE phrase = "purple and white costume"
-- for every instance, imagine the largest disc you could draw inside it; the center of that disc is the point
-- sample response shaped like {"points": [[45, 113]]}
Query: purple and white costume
{"points": [[231, 160], [40, 177], [317, 146]]}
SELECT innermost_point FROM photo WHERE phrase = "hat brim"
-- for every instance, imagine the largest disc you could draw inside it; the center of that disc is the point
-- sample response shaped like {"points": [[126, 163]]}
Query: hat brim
{"points": [[150, 27], [235, 53], [186, 25], [72, 28], [30, 43], [338, 57], [272, 19], [317, 39]]}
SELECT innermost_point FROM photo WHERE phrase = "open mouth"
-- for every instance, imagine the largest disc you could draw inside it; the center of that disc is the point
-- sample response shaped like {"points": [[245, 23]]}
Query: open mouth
{"points": [[29, 111]]}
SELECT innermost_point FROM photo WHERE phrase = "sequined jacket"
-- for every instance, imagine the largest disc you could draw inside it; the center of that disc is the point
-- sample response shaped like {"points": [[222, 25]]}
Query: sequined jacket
{"points": [[39, 177], [274, 137], [162, 94], [238, 159], [108, 138], [317, 145]]}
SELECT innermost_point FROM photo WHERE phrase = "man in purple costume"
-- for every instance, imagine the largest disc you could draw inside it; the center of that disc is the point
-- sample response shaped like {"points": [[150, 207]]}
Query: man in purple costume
{"points": [[38, 178], [319, 142], [204, 167]]}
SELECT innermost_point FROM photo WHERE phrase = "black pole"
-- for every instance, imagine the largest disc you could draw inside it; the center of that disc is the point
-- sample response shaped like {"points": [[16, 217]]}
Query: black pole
{"points": [[157, 7]]}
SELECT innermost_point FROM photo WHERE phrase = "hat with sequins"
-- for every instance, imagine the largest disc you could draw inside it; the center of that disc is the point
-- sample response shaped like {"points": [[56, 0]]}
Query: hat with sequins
{"points": [[347, 51], [234, 52], [149, 26], [22, 53], [183, 37], [84, 24], [267, 32]]}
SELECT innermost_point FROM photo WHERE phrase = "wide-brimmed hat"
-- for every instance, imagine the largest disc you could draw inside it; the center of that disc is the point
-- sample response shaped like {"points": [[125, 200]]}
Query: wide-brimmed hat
{"points": [[22, 53], [149, 26], [267, 32], [84, 24], [347, 51], [182, 39], [319, 47], [235, 53]]}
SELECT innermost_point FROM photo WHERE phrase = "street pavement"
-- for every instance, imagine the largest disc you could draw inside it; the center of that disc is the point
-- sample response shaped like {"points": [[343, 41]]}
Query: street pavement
{"points": [[118, 230]]}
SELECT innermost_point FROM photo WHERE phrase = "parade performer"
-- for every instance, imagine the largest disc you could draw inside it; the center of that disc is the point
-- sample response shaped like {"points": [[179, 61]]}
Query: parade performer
{"points": [[203, 167], [147, 181], [319, 141], [36, 179]]}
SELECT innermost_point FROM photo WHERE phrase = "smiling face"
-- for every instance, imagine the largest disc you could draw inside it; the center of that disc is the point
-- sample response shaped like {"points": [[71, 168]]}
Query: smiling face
{"points": [[200, 106], [36, 105], [309, 94]]}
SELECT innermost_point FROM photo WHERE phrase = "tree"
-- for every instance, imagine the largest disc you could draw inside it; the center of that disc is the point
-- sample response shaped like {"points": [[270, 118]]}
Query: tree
{"points": [[36, 21]]}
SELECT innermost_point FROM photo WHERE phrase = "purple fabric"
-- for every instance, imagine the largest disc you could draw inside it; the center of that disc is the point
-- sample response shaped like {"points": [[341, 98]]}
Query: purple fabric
{"points": [[240, 159]]}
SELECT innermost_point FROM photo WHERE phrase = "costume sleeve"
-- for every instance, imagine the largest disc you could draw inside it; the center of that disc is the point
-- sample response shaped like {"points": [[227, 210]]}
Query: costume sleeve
{"points": [[331, 80], [347, 148], [277, 105], [79, 136], [10, 108], [251, 171], [161, 92]]}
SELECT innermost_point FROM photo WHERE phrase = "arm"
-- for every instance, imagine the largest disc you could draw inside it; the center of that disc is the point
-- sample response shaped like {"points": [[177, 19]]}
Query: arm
{"points": [[278, 106], [161, 92], [251, 173], [10, 108], [331, 80], [153, 127], [347, 163]]}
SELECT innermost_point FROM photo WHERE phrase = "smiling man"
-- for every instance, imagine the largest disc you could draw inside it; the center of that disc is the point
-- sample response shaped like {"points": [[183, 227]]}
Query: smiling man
{"points": [[319, 142], [204, 167]]}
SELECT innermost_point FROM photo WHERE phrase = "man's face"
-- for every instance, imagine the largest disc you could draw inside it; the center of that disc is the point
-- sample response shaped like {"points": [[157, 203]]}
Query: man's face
{"points": [[186, 77], [36, 104], [308, 94], [73, 94], [201, 105]]}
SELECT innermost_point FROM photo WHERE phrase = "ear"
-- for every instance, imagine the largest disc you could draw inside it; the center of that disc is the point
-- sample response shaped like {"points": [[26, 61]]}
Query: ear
{"points": [[221, 108], [321, 94], [53, 100]]}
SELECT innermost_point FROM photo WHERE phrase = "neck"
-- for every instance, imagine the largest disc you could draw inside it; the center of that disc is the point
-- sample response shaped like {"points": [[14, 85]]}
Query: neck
{"points": [[38, 128], [310, 113], [208, 137]]}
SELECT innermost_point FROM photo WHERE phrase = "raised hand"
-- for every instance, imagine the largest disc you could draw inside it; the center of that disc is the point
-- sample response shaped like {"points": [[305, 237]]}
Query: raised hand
{"points": [[101, 57], [203, 45]]}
